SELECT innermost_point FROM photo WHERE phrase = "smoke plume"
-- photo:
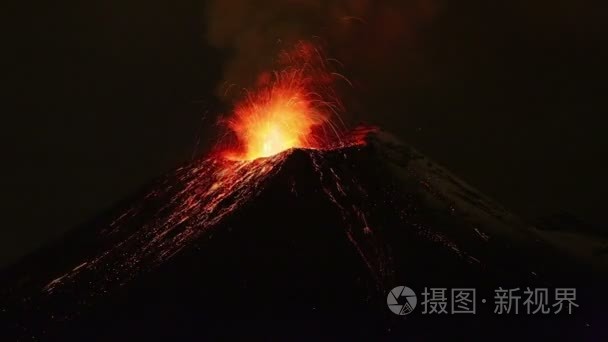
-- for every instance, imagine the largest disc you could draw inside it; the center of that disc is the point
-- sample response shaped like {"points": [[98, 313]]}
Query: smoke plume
{"points": [[367, 37]]}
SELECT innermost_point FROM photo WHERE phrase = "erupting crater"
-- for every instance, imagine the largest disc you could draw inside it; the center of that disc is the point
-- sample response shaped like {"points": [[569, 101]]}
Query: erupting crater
{"points": [[296, 107]]}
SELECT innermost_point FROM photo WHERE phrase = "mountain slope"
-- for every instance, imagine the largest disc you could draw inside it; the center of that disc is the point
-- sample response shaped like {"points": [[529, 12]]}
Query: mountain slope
{"points": [[304, 243]]}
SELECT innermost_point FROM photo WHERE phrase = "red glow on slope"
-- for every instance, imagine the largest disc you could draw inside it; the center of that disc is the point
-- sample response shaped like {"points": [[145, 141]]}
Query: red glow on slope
{"points": [[292, 108]]}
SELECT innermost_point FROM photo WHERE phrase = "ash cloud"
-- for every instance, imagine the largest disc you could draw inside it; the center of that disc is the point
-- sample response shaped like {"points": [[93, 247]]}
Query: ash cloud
{"points": [[371, 39]]}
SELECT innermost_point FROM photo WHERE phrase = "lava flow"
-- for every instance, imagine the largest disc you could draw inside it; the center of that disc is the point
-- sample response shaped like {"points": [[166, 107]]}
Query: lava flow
{"points": [[295, 107]]}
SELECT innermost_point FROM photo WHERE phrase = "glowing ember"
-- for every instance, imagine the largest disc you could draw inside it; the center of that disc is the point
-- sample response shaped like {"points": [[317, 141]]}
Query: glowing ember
{"points": [[289, 109]]}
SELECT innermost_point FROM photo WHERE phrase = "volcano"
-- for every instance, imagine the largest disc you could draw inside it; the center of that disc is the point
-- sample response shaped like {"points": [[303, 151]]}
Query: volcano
{"points": [[303, 244]]}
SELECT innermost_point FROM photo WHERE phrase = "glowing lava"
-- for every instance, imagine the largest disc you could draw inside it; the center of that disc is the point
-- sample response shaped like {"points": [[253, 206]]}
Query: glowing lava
{"points": [[289, 109]]}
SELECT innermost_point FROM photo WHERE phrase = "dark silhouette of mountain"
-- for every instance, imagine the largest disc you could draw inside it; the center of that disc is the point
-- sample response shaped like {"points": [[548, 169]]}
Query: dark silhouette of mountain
{"points": [[565, 221], [301, 245]]}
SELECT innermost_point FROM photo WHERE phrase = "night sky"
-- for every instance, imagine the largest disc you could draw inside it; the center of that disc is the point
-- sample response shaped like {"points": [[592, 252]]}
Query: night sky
{"points": [[104, 96]]}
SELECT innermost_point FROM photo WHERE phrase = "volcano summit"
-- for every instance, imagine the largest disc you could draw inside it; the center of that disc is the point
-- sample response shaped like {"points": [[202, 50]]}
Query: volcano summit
{"points": [[301, 244]]}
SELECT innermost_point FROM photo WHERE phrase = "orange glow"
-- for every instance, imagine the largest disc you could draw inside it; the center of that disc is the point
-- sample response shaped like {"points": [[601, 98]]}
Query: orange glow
{"points": [[278, 117], [287, 108]]}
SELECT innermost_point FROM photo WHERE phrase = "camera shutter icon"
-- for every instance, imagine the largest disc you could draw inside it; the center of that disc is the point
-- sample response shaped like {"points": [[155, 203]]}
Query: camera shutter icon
{"points": [[401, 300]]}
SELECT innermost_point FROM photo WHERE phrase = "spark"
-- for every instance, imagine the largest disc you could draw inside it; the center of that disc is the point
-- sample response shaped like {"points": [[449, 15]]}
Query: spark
{"points": [[296, 107]]}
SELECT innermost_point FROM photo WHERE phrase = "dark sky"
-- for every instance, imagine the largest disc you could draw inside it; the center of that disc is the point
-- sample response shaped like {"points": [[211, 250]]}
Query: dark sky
{"points": [[107, 95]]}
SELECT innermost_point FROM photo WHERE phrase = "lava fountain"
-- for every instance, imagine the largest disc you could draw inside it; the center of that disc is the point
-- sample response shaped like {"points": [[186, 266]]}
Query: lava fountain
{"points": [[293, 107]]}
